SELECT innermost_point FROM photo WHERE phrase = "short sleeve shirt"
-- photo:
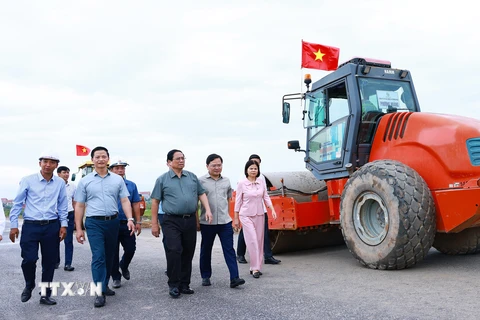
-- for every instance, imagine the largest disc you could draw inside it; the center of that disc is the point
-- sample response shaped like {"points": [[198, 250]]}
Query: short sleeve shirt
{"points": [[179, 195]]}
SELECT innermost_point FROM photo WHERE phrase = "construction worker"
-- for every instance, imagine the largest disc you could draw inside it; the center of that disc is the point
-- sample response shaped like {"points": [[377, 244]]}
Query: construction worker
{"points": [[44, 223], [64, 173], [127, 240], [2, 221]]}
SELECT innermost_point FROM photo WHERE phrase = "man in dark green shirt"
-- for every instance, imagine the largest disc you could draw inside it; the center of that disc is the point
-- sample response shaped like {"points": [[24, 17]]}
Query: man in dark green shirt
{"points": [[179, 191]]}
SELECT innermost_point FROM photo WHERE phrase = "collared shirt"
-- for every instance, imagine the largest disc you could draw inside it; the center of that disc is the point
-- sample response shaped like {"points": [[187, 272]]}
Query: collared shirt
{"points": [[261, 179], [178, 195], [218, 193], [101, 195], [2, 219], [70, 193], [251, 197], [42, 200], [160, 209], [133, 197]]}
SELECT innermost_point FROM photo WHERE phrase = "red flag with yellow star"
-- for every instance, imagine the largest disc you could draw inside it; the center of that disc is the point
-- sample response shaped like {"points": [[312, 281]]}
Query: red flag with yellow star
{"points": [[318, 56], [82, 151]]}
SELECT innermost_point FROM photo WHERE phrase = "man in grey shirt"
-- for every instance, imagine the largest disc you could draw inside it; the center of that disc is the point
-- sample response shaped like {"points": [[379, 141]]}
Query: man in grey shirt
{"points": [[179, 191], [219, 191]]}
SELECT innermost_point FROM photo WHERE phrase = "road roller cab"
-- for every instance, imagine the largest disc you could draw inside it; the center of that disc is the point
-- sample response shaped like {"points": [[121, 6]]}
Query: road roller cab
{"points": [[397, 180]]}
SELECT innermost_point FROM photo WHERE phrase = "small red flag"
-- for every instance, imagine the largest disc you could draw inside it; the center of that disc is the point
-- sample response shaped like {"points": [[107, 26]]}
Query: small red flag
{"points": [[318, 56], [82, 151]]}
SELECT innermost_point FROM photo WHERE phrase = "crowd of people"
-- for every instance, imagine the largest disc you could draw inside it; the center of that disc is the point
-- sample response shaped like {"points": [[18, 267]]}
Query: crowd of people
{"points": [[111, 206]]}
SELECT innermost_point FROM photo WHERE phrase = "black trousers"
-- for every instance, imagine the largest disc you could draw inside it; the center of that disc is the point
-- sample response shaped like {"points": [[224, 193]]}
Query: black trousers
{"points": [[129, 245], [47, 237], [180, 236], [267, 250]]}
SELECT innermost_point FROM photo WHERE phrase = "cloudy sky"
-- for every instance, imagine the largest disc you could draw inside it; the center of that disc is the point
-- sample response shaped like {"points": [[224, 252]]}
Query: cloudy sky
{"points": [[143, 77]]}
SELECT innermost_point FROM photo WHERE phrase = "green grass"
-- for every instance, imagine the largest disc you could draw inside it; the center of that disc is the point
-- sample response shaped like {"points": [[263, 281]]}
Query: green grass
{"points": [[148, 214]]}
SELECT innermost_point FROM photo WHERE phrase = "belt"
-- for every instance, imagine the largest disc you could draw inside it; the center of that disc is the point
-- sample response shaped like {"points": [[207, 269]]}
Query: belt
{"points": [[40, 222], [104, 218], [184, 216]]}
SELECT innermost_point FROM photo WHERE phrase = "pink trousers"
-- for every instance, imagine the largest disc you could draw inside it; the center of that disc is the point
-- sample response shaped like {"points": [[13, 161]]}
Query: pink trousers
{"points": [[253, 229]]}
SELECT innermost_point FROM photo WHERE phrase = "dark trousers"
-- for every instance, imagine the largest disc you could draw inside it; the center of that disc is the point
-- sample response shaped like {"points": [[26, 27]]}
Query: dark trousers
{"points": [[180, 236], [267, 250], [160, 220], [68, 241], [102, 236], [225, 233], [47, 236], [129, 245]]}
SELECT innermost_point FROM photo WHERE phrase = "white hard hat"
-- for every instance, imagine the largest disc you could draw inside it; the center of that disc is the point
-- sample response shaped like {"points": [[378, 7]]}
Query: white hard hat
{"points": [[118, 161], [49, 154]]}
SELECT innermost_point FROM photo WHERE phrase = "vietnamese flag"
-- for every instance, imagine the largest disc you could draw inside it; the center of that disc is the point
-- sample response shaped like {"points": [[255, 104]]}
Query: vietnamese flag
{"points": [[318, 56], [82, 151]]}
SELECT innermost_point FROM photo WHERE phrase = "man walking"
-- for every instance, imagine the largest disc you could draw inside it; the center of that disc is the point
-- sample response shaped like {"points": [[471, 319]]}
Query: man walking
{"points": [[267, 249], [179, 191], [99, 192], [219, 192], [127, 240], [44, 223], [64, 173]]}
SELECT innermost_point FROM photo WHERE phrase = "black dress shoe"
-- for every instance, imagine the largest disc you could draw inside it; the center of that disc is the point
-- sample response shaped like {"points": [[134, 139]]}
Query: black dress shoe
{"points": [[68, 268], [187, 291], [241, 259], [236, 282], [272, 260], [126, 274], [99, 301], [256, 274], [251, 272], [174, 293], [206, 282], [109, 292], [48, 301], [26, 294]]}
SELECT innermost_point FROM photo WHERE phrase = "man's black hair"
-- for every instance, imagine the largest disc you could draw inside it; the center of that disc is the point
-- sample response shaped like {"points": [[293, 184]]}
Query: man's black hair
{"points": [[212, 157], [99, 148], [171, 153], [255, 156], [62, 168]]}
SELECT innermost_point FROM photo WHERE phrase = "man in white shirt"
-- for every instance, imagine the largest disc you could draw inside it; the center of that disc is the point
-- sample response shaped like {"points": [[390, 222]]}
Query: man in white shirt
{"points": [[64, 173], [2, 221]]}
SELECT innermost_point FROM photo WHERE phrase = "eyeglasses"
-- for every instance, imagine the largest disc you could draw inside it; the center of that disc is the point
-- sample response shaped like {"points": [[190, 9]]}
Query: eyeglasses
{"points": [[180, 159]]}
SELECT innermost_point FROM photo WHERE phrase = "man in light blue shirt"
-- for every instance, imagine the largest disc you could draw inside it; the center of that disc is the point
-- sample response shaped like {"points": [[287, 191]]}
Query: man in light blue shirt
{"points": [[44, 223], [99, 192]]}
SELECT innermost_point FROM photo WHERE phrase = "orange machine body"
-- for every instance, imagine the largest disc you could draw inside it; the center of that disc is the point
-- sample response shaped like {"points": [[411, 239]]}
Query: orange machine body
{"points": [[434, 145]]}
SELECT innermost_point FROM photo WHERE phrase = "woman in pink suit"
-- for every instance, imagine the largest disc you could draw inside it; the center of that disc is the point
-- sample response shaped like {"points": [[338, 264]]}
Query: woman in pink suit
{"points": [[251, 195]]}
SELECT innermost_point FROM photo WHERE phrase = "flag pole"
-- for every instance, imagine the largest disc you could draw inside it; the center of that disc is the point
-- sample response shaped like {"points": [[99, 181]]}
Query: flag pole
{"points": [[301, 72]]}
